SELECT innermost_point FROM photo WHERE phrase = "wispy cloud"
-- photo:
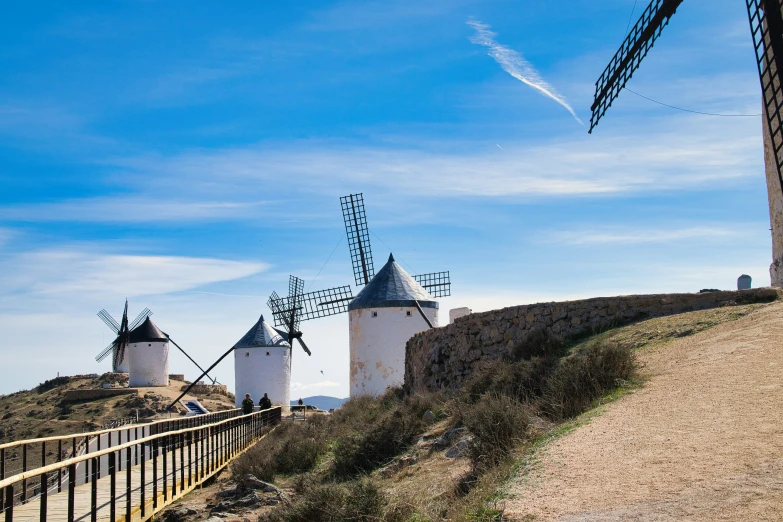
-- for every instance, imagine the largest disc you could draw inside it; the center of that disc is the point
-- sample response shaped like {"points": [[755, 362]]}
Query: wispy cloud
{"points": [[130, 209], [515, 64], [639, 236], [77, 273]]}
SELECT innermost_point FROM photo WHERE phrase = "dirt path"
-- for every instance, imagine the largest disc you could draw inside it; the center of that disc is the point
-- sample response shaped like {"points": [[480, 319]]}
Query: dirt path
{"points": [[702, 440]]}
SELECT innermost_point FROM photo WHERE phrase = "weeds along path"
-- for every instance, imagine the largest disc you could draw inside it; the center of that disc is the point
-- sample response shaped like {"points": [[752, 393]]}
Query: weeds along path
{"points": [[702, 440]]}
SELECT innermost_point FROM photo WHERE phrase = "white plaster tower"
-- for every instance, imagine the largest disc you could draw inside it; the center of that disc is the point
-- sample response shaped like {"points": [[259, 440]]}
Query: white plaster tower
{"points": [[148, 356], [262, 364], [381, 319]]}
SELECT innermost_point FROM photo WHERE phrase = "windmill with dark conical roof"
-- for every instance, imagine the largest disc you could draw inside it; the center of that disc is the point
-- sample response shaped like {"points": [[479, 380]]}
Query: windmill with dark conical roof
{"points": [[389, 310], [262, 364]]}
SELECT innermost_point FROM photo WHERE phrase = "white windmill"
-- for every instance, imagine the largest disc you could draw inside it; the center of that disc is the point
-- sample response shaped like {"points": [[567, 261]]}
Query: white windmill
{"points": [[389, 310], [262, 364]]}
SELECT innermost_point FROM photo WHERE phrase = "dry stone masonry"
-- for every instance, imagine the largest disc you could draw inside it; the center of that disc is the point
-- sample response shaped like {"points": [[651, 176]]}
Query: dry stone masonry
{"points": [[443, 357]]}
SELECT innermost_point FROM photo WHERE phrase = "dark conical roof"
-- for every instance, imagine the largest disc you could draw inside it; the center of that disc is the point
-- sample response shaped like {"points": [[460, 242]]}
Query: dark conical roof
{"points": [[392, 286], [262, 334], [147, 332]]}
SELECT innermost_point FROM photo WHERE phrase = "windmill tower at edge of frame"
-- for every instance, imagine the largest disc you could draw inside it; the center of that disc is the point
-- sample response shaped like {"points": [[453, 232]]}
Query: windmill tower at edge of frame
{"points": [[766, 27]]}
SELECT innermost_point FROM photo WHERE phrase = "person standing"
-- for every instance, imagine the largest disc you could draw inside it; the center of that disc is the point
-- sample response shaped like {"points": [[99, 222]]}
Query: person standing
{"points": [[247, 404], [265, 403], [300, 401]]}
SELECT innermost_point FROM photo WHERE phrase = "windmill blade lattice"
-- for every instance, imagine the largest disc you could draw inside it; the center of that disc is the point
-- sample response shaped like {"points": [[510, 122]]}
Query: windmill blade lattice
{"points": [[312, 305], [438, 284], [109, 320], [358, 238], [295, 285], [630, 55], [104, 353], [140, 318], [766, 26]]}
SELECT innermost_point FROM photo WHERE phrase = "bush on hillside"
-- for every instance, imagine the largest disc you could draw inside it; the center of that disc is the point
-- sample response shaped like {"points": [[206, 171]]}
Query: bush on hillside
{"points": [[52, 383], [521, 380], [498, 423], [294, 447], [584, 376], [359, 501], [540, 342]]}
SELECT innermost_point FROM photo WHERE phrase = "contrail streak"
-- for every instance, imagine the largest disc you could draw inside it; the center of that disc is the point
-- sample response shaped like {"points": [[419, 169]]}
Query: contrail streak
{"points": [[515, 64]]}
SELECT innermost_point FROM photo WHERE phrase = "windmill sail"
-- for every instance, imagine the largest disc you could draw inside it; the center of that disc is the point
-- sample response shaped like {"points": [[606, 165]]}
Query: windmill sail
{"points": [[312, 305], [140, 318], [109, 320], [105, 352], [437, 284], [630, 55], [766, 25], [358, 238]]}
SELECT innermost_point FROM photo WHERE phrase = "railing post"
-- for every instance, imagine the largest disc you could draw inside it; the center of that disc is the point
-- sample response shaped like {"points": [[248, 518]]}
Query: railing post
{"points": [[112, 486], [2, 476], [165, 469], [44, 496], [173, 439], [59, 470], [94, 488], [86, 466], [128, 485], [189, 438], [155, 473], [71, 490], [9, 503], [143, 481], [23, 497], [181, 438]]}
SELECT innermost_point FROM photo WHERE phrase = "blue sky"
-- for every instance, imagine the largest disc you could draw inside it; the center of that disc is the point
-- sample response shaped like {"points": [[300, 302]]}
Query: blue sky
{"points": [[190, 155]]}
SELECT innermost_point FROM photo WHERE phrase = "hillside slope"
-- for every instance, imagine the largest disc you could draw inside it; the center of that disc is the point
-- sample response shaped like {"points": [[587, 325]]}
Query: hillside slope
{"points": [[42, 412], [702, 440]]}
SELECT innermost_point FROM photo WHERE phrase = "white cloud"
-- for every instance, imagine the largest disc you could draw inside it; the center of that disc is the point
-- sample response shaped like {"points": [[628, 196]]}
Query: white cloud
{"points": [[638, 236], [131, 209], [515, 64], [74, 274]]}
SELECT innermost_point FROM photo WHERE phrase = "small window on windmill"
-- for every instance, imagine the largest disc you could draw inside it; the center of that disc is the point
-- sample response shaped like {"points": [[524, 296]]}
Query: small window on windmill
{"points": [[267, 353], [247, 354], [408, 313], [375, 314], [150, 344]]}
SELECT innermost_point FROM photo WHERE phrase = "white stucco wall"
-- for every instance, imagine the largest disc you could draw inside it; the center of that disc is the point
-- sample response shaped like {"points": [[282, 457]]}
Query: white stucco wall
{"points": [[775, 197], [262, 370], [148, 364], [377, 345], [124, 366]]}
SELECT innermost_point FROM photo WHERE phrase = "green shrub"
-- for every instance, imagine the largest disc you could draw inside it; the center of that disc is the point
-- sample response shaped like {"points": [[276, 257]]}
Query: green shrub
{"points": [[584, 376], [293, 447], [381, 441], [498, 423], [522, 380], [358, 501], [540, 342]]}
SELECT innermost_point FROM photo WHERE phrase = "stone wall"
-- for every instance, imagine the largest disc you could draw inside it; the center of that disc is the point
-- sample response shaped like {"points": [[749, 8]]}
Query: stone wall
{"points": [[96, 393], [206, 389], [443, 357]]}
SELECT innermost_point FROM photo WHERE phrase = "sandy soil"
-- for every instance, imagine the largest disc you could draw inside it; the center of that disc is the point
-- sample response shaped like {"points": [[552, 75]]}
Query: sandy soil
{"points": [[702, 440]]}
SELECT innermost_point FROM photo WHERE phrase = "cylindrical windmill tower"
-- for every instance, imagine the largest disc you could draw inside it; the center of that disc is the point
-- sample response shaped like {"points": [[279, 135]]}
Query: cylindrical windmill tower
{"points": [[381, 319], [262, 364], [148, 355]]}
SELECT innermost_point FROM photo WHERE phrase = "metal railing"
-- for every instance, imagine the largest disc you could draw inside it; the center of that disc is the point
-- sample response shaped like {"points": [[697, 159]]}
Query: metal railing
{"points": [[31, 454], [157, 469]]}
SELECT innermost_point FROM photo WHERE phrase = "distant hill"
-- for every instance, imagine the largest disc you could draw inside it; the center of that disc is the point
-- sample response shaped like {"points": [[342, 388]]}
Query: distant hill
{"points": [[323, 402]]}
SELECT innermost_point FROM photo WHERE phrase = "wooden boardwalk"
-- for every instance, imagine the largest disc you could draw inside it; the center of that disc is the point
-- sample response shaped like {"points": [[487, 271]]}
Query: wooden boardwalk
{"points": [[165, 479]]}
